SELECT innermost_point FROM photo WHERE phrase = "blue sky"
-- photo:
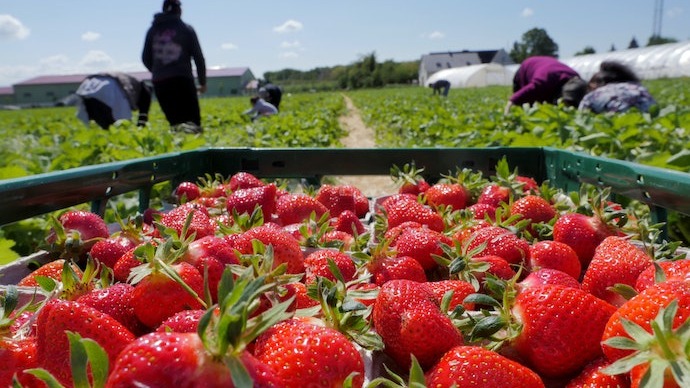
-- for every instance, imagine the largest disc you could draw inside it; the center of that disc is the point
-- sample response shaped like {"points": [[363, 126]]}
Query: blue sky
{"points": [[39, 37]]}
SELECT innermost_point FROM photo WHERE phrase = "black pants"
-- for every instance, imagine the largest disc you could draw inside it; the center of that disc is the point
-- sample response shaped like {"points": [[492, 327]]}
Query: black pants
{"points": [[178, 100]]}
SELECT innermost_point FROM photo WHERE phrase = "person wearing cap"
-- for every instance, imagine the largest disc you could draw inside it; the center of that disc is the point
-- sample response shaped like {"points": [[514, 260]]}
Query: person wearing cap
{"points": [[169, 48], [542, 79], [272, 94]]}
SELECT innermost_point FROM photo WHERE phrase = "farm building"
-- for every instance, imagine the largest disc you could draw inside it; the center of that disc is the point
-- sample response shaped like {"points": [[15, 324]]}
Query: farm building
{"points": [[52, 89], [435, 62]]}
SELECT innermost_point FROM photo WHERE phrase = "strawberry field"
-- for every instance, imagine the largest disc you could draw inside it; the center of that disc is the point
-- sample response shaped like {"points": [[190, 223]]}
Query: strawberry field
{"points": [[464, 277]]}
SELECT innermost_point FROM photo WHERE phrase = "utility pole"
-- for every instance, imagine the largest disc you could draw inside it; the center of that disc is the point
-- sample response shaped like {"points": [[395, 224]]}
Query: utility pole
{"points": [[658, 17]]}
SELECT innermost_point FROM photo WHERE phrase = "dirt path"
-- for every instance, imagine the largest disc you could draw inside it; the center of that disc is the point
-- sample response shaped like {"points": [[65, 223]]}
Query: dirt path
{"points": [[361, 136]]}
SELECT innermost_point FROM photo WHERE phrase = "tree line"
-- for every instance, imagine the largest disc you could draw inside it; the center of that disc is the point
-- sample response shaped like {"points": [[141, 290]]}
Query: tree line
{"points": [[368, 72]]}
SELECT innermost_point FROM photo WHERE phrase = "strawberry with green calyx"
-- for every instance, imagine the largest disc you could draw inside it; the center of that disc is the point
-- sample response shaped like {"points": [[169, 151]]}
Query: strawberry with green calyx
{"points": [[501, 242], [409, 179], [17, 344], [286, 248], [340, 198], [384, 265], [72, 282], [401, 208], [294, 208], [214, 356], [245, 200], [661, 271], [191, 217], [244, 180], [545, 276], [421, 244], [131, 233], [659, 356], [116, 301], [52, 269], [451, 195], [592, 375], [543, 325], [554, 255], [318, 264], [186, 191], [74, 232]]}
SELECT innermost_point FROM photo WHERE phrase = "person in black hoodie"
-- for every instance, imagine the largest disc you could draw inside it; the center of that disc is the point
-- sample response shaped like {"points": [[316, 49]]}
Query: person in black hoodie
{"points": [[170, 46]]}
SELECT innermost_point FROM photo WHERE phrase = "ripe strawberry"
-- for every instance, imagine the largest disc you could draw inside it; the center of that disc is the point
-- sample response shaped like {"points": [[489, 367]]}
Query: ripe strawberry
{"points": [[345, 239], [294, 208], [498, 267], [124, 265], [75, 232], [642, 310], [52, 269], [16, 356], [116, 301], [286, 248], [474, 366], [305, 354], [157, 296], [421, 244], [109, 250], [615, 261], [245, 200], [447, 194], [186, 321], [210, 255], [482, 211], [385, 268], [500, 242], [549, 276], [461, 289], [407, 317], [583, 233], [554, 255], [529, 185], [494, 195], [336, 199], [348, 222], [419, 187], [186, 192], [561, 328], [673, 270], [244, 180], [593, 376], [200, 224], [317, 265], [403, 208], [533, 208], [59, 316]]}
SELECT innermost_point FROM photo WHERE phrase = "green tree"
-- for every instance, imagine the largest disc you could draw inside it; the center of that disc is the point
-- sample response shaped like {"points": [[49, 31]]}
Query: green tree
{"points": [[586, 50], [655, 40], [534, 42]]}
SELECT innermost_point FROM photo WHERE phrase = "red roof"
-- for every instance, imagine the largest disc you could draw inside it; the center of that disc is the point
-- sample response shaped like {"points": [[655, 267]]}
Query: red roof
{"points": [[141, 75]]}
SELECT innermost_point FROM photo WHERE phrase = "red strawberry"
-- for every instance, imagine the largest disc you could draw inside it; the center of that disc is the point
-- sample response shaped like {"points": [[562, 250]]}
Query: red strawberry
{"points": [[500, 242], [116, 301], [345, 238], [615, 261], [52, 269], [244, 200], [305, 354], [498, 267], [554, 255], [461, 289], [405, 208], [108, 251], [157, 296], [474, 366], [59, 316], [75, 233], [494, 195], [673, 270], [593, 376], [337, 199], [186, 321], [533, 208], [417, 188], [385, 268], [244, 180], [583, 233], [210, 255], [482, 211], [302, 299], [16, 356], [545, 276], [125, 264], [187, 191], [294, 208], [447, 194], [561, 328], [421, 244], [408, 319], [201, 224], [348, 222], [529, 185], [317, 265], [286, 248]]}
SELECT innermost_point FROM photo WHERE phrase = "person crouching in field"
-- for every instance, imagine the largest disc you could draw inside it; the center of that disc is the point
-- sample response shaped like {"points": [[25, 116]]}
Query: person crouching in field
{"points": [[441, 87], [616, 88], [108, 97], [260, 108]]}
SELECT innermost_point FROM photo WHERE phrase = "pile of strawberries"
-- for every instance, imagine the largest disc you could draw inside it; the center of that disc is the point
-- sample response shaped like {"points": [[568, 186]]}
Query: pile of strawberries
{"points": [[468, 281]]}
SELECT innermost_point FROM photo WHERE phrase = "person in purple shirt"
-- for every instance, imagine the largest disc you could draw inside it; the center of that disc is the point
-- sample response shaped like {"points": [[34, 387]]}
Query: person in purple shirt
{"points": [[546, 80]]}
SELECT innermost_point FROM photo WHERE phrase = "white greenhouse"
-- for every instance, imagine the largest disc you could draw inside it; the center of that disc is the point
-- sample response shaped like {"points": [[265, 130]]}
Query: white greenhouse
{"points": [[475, 75]]}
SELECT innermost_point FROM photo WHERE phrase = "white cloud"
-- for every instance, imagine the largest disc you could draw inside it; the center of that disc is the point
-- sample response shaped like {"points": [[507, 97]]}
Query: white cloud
{"points": [[675, 12], [436, 35], [288, 26], [289, 55], [228, 46], [90, 36], [97, 60], [527, 12], [12, 28], [290, 45]]}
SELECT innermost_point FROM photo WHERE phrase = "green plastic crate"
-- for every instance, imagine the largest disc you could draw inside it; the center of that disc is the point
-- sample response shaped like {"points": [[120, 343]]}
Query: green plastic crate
{"points": [[40, 194]]}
